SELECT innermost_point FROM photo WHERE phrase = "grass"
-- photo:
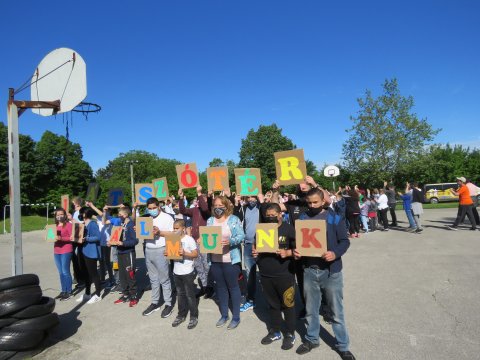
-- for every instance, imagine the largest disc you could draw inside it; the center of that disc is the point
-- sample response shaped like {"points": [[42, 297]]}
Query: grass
{"points": [[29, 223], [444, 205]]}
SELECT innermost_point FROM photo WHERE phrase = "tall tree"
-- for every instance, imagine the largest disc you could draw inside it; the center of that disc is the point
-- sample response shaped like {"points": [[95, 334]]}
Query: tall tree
{"points": [[148, 166], [29, 175], [385, 134], [258, 147], [61, 168]]}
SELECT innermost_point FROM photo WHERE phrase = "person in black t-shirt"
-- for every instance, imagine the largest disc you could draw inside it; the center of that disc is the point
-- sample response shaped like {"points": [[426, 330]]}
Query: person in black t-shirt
{"points": [[277, 275]]}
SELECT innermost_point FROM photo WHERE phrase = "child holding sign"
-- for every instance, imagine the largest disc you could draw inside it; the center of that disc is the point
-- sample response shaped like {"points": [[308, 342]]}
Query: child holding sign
{"points": [[323, 271], [183, 271], [277, 275], [62, 253]]}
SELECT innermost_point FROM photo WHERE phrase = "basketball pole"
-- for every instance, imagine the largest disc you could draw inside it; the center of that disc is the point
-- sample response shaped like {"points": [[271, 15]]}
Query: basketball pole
{"points": [[14, 189], [13, 113]]}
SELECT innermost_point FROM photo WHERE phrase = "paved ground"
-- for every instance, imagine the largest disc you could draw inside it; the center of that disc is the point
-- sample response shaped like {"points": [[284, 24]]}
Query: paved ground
{"points": [[407, 296]]}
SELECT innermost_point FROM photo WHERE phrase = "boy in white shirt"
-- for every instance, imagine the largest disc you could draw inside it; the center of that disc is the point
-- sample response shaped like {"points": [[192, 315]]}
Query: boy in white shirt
{"points": [[183, 271], [157, 264]]}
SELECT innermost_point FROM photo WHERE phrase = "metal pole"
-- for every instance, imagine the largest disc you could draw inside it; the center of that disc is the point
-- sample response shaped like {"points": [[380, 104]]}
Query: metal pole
{"points": [[14, 181], [131, 182], [47, 212], [4, 219]]}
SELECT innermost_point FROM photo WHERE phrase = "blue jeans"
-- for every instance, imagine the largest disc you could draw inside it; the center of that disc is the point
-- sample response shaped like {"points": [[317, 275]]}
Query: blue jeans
{"points": [[410, 218], [63, 266], [250, 271], [316, 281], [364, 219], [227, 288]]}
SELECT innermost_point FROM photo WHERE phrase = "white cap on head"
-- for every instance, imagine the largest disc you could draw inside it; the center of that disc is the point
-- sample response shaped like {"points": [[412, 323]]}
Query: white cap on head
{"points": [[462, 179]]}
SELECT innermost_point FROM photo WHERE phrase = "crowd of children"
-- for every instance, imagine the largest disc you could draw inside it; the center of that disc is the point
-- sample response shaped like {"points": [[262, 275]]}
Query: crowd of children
{"points": [[319, 281]]}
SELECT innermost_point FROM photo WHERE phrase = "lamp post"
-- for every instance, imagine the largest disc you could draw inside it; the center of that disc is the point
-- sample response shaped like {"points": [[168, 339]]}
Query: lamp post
{"points": [[131, 162]]}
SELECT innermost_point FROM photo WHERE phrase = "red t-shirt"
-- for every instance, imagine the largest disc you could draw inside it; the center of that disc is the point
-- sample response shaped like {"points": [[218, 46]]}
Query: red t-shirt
{"points": [[464, 196], [64, 246]]}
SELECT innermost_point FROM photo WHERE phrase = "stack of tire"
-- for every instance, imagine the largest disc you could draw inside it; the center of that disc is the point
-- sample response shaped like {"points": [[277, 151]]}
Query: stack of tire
{"points": [[26, 316]]}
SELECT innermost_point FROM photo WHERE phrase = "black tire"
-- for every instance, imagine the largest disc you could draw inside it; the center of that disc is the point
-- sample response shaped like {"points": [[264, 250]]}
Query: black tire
{"points": [[13, 300], [45, 306], [19, 280], [4, 355], [11, 340], [6, 322], [41, 323]]}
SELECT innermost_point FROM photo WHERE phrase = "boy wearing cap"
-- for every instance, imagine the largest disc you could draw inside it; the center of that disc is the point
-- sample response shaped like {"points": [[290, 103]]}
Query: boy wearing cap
{"points": [[465, 204]]}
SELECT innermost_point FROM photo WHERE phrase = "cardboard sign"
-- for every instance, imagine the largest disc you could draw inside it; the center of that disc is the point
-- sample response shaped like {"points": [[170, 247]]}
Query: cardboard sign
{"points": [[290, 166], [160, 188], [266, 238], [187, 175], [116, 235], [311, 237], [144, 228], [248, 181], [173, 244], [51, 233], [78, 230], [115, 197], [65, 203], [217, 178], [92, 192], [210, 239], [143, 192]]}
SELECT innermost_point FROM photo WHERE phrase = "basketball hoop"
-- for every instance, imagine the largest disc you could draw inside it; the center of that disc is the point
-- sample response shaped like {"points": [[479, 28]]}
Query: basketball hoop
{"points": [[87, 108]]}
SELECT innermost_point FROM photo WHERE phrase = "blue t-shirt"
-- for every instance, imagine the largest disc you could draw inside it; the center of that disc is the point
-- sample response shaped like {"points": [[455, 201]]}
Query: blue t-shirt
{"points": [[407, 201], [115, 221]]}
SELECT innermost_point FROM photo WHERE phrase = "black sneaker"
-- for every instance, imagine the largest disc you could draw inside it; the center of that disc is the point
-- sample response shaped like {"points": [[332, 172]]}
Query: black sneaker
{"points": [[167, 311], [66, 296], [451, 227], [61, 295], [418, 230], [288, 341], [208, 292], [192, 323], [151, 309], [346, 355], [178, 320], [473, 229], [306, 347], [271, 337]]}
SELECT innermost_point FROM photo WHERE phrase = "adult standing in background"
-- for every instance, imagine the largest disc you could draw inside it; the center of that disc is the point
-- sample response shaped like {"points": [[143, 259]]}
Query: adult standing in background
{"points": [[392, 202], [417, 208], [465, 205]]}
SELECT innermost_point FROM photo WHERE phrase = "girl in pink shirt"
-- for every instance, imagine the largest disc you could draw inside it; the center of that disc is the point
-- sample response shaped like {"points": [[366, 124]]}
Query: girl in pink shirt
{"points": [[62, 253]]}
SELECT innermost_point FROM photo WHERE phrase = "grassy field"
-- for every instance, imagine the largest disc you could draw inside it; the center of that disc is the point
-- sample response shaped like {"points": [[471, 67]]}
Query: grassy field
{"points": [[29, 223]]}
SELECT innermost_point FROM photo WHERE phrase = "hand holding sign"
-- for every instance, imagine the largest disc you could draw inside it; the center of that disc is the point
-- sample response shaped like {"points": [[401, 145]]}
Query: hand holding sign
{"points": [[51, 233]]}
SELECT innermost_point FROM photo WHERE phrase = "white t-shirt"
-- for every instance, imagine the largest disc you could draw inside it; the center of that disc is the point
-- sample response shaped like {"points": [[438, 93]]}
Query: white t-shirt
{"points": [[382, 202], [165, 223], [185, 266]]}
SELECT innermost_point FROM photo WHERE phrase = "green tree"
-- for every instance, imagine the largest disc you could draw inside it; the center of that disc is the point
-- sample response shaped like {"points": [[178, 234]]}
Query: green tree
{"points": [[148, 166], [258, 147], [385, 135], [61, 168], [30, 184]]}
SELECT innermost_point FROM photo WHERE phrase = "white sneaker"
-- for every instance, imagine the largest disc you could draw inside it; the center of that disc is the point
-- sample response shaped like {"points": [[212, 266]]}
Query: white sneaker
{"points": [[83, 297], [94, 299]]}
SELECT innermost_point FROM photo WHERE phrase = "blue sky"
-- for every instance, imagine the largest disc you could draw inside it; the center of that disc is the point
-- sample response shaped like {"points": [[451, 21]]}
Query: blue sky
{"points": [[188, 79]]}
